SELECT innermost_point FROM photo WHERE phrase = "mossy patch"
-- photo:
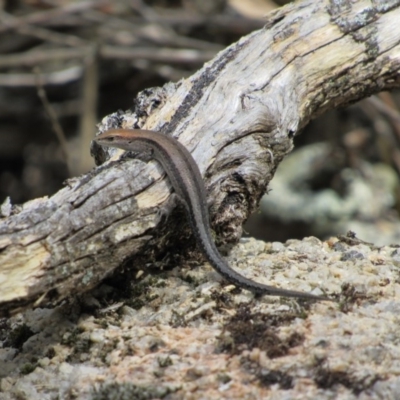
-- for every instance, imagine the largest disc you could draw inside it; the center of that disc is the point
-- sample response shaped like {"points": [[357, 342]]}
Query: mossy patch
{"points": [[130, 391], [326, 379], [18, 336], [247, 330]]}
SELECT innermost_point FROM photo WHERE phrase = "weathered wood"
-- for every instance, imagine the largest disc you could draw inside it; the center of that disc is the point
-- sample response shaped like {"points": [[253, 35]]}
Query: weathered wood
{"points": [[237, 115]]}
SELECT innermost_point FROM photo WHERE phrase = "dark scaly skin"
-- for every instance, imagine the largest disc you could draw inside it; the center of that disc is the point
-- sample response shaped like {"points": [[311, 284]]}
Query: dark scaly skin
{"points": [[187, 182]]}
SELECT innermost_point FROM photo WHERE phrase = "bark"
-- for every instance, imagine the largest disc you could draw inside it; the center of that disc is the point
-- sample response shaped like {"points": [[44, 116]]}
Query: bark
{"points": [[237, 115]]}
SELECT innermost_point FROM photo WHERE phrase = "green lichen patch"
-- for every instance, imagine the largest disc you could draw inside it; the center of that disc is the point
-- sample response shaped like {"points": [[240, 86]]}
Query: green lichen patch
{"points": [[28, 368]]}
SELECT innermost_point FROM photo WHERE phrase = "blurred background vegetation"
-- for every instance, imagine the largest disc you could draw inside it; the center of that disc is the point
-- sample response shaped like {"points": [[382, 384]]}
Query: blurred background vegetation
{"points": [[66, 64]]}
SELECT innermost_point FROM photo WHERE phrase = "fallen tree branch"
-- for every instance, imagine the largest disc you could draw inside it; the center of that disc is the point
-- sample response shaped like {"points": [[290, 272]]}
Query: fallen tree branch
{"points": [[237, 115]]}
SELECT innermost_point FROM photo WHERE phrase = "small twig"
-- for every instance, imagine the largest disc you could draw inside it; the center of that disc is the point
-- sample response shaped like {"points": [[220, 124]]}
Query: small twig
{"points": [[224, 23], [53, 118], [35, 57], [50, 15], [42, 33], [170, 56], [185, 56], [388, 133], [51, 78], [88, 114], [380, 105], [146, 12], [155, 33]]}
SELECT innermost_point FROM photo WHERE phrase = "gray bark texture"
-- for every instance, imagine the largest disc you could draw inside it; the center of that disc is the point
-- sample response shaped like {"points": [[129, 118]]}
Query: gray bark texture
{"points": [[237, 115]]}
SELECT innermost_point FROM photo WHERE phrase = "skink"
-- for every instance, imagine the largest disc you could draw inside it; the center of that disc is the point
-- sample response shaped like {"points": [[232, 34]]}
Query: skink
{"points": [[187, 182]]}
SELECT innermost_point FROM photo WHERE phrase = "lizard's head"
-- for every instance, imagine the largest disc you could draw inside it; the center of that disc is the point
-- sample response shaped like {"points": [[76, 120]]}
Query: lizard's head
{"points": [[120, 138]]}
